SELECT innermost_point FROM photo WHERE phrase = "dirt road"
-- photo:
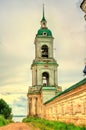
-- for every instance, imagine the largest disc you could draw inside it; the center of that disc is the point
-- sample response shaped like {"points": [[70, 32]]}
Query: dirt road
{"points": [[17, 126]]}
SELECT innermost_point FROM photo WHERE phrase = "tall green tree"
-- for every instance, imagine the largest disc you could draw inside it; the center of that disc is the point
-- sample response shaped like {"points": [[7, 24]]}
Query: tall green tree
{"points": [[5, 110]]}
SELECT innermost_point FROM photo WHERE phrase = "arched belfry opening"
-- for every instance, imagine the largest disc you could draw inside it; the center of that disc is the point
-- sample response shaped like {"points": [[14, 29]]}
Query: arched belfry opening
{"points": [[45, 78], [44, 51]]}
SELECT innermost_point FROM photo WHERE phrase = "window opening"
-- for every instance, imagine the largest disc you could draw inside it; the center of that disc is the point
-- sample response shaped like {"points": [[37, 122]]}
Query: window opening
{"points": [[44, 51], [44, 33], [45, 79]]}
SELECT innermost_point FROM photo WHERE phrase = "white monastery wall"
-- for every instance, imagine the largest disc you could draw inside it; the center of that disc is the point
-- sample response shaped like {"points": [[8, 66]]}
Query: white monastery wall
{"points": [[69, 107]]}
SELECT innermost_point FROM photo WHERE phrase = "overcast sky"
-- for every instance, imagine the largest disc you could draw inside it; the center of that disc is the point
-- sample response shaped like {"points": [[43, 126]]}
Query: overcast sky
{"points": [[19, 23]]}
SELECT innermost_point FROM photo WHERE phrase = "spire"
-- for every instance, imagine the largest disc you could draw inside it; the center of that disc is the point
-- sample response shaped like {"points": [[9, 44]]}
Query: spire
{"points": [[43, 21], [43, 18]]}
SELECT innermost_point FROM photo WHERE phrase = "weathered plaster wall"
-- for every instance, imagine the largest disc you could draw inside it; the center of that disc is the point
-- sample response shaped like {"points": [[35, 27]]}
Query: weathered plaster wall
{"points": [[34, 105], [69, 107], [47, 94]]}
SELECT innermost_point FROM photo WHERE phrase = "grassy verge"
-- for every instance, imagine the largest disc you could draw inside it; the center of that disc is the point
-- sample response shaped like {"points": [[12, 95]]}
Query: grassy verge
{"points": [[50, 125]]}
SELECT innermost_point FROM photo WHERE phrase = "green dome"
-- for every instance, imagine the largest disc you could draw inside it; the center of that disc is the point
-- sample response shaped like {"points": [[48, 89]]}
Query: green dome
{"points": [[44, 32]]}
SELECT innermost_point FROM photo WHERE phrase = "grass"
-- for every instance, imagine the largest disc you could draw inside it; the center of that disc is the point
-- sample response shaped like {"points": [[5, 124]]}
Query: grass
{"points": [[43, 124], [3, 121]]}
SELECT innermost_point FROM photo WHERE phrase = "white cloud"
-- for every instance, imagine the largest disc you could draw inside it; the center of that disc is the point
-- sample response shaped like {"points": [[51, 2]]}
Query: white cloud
{"points": [[18, 103]]}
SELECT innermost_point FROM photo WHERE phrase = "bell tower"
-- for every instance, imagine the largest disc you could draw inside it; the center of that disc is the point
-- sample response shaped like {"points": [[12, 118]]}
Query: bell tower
{"points": [[44, 70]]}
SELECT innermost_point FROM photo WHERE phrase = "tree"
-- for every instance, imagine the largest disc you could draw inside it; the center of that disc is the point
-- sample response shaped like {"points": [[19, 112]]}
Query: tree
{"points": [[5, 110]]}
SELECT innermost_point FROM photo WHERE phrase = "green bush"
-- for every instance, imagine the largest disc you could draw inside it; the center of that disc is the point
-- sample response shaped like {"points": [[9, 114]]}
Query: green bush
{"points": [[3, 121], [51, 125]]}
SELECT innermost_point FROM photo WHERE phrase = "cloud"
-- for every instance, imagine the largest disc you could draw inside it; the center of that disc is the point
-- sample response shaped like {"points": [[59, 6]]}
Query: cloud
{"points": [[18, 103]]}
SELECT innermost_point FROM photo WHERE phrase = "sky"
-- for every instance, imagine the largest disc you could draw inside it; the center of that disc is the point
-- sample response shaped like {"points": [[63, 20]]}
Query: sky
{"points": [[19, 23]]}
